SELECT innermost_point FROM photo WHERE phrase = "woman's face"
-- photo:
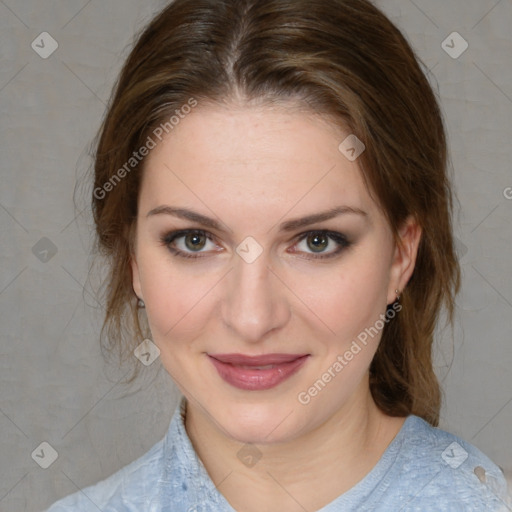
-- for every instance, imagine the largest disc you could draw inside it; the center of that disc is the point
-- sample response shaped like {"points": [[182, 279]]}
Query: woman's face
{"points": [[256, 237]]}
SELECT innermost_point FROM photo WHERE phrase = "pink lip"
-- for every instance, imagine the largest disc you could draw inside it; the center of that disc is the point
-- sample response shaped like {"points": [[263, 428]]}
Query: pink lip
{"points": [[240, 370]]}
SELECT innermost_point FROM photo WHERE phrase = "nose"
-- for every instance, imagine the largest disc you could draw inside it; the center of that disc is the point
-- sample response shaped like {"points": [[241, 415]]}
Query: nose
{"points": [[255, 301]]}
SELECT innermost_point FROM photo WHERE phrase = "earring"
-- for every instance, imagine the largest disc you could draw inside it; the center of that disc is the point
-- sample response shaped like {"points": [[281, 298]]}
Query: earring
{"points": [[397, 294], [140, 304]]}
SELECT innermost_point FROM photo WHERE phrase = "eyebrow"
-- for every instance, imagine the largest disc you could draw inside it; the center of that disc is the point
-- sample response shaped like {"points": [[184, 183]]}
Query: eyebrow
{"points": [[289, 225], [183, 213]]}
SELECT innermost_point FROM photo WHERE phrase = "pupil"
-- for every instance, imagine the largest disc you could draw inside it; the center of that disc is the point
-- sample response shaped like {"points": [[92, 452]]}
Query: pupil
{"points": [[195, 242], [318, 243]]}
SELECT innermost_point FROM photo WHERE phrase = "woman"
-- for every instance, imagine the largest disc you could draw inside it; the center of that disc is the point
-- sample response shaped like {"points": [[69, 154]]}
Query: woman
{"points": [[271, 190]]}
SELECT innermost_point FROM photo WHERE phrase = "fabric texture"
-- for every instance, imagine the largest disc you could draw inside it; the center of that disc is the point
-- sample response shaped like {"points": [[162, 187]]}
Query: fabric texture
{"points": [[423, 469]]}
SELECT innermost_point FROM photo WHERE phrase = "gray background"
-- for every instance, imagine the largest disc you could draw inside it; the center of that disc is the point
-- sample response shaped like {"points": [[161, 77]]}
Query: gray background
{"points": [[55, 385]]}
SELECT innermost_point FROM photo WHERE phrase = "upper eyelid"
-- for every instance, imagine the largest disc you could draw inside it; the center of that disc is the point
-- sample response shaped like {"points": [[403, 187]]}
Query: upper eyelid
{"points": [[182, 232], [173, 235], [343, 244]]}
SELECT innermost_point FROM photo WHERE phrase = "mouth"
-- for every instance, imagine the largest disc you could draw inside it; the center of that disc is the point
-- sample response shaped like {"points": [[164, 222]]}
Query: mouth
{"points": [[256, 373]]}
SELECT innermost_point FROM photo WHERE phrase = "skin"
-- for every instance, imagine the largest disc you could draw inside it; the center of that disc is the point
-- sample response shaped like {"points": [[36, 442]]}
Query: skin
{"points": [[252, 168]]}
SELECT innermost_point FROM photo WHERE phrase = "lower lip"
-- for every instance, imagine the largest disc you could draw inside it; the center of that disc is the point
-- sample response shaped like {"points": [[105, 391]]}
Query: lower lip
{"points": [[257, 380]]}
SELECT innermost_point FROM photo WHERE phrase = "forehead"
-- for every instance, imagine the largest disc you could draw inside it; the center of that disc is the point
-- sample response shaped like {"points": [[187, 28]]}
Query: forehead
{"points": [[253, 157]]}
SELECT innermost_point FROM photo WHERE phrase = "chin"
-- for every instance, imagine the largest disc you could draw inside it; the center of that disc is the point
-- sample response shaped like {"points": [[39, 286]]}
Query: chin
{"points": [[258, 424]]}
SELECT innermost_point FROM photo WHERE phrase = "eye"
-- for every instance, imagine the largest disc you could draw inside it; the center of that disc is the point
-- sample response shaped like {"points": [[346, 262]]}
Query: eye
{"points": [[189, 243], [321, 244]]}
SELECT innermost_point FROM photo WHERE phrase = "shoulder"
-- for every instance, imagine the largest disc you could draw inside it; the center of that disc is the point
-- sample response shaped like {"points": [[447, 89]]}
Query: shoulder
{"points": [[438, 467], [126, 488], [168, 475]]}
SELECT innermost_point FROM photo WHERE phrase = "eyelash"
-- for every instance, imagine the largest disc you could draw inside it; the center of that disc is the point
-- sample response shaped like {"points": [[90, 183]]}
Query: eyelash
{"points": [[338, 238]]}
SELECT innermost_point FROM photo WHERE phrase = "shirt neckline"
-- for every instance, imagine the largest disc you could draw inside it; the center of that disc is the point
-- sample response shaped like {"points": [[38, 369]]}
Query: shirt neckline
{"points": [[197, 483]]}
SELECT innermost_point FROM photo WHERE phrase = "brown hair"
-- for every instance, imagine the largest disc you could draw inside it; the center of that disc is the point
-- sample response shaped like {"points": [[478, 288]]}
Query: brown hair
{"points": [[341, 58]]}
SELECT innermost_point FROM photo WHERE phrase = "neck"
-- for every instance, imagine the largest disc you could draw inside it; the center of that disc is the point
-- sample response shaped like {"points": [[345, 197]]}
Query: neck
{"points": [[330, 459]]}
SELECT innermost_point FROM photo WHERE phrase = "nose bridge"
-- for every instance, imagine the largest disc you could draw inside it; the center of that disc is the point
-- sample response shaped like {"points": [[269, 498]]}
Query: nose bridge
{"points": [[254, 303]]}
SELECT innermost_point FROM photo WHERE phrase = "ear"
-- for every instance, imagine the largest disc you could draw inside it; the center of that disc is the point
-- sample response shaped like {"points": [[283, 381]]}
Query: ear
{"points": [[130, 233], [136, 277], [404, 258]]}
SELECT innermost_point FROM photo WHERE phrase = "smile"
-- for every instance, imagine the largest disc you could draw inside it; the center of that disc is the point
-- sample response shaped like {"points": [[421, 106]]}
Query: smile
{"points": [[256, 373]]}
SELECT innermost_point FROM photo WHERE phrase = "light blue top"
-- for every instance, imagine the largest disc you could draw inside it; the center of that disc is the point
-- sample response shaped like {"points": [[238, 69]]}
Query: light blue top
{"points": [[423, 469]]}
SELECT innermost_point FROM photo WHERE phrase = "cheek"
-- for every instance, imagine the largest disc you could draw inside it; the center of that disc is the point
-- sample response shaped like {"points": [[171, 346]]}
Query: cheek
{"points": [[348, 299], [181, 301]]}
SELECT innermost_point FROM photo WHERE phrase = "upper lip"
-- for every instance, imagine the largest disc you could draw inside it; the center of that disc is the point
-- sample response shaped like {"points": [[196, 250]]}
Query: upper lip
{"points": [[261, 360]]}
